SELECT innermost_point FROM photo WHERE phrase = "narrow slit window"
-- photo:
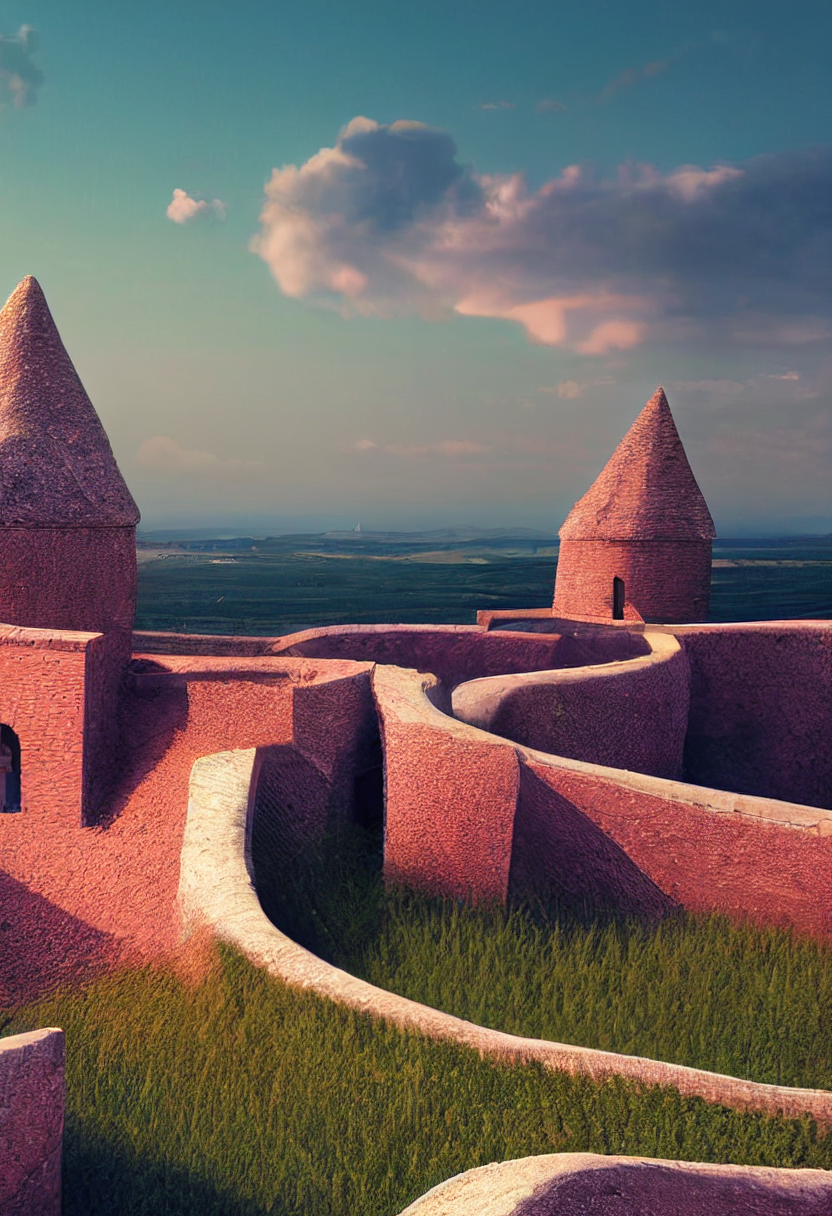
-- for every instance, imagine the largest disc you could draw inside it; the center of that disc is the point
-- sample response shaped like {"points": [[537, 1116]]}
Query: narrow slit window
{"points": [[618, 599]]}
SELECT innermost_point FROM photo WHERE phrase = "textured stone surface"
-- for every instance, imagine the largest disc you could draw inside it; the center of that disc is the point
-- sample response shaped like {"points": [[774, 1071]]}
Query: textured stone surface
{"points": [[568, 1184], [708, 850], [216, 893], [56, 465], [631, 714], [665, 581], [77, 899], [31, 1123], [455, 653], [644, 520], [761, 709], [646, 490]]}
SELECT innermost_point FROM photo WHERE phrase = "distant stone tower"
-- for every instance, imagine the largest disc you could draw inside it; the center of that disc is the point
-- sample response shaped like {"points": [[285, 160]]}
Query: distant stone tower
{"points": [[67, 520], [638, 544]]}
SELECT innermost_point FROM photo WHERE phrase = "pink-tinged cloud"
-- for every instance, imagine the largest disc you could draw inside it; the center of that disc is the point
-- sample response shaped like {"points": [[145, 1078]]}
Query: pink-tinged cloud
{"points": [[20, 79], [183, 209], [161, 454], [389, 222]]}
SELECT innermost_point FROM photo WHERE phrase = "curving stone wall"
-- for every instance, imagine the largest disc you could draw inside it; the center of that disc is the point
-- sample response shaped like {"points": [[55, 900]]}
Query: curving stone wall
{"points": [[472, 815], [216, 893], [456, 653], [631, 714], [565, 1184], [31, 1123]]}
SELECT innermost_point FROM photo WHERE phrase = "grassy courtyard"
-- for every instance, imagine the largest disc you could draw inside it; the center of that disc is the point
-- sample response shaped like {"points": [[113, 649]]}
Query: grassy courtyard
{"points": [[240, 1097]]}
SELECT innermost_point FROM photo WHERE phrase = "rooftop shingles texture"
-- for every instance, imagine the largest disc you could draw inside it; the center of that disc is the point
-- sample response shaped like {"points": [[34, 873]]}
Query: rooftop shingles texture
{"points": [[646, 491], [56, 465]]}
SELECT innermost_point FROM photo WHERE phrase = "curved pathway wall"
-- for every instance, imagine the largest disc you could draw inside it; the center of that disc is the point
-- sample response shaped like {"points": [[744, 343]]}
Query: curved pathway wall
{"points": [[455, 653], [469, 814], [565, 1184], [216, 892], [630, 714]]}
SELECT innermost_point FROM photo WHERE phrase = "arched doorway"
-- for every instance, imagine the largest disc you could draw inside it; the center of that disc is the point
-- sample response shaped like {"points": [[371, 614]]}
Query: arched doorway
{"points": [[618, 599], [9, 770]]}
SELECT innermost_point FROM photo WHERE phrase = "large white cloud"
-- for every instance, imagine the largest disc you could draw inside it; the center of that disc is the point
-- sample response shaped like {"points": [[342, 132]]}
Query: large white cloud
{"points": [[389, 221]]}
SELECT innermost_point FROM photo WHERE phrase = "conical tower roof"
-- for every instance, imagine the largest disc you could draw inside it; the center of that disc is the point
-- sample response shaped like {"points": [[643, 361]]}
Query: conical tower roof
{"points": [[56, 465], [647, 490]]}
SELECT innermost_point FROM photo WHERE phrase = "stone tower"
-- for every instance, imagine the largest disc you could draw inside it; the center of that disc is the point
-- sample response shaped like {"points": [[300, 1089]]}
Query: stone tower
{"points": [[67, 564], [638, 544], [67, 520]]}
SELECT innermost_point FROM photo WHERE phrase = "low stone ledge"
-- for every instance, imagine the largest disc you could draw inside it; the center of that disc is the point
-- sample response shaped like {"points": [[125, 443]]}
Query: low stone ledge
{"points": [[564, 1184], [31, 1123], [216, 891]]}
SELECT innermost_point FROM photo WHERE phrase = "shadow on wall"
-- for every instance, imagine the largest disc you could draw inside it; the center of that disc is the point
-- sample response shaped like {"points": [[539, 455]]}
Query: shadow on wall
{"points": [[559, 854], [41, 946], [640, 1188], [151, 711], [761, 710]]}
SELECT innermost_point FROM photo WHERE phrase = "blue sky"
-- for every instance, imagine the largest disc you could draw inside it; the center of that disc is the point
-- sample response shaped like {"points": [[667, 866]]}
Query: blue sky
{"points": [[451, 322]]}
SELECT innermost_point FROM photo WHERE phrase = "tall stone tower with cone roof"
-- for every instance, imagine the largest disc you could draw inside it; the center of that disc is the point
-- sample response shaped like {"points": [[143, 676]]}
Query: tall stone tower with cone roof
{"points": [[638, 544], [67, 520], [67, 565]]}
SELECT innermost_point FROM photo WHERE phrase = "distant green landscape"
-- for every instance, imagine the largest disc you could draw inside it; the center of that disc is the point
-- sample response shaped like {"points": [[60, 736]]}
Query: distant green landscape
{"points": [[279, 585]]}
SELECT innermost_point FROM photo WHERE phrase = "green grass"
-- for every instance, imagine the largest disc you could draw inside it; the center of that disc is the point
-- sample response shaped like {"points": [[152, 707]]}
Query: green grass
{"points": [[242, 1097], [751, 1002]]}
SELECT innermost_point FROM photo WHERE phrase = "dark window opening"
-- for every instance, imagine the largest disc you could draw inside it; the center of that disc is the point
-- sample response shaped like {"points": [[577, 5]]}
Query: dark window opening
{"points": [[369, 798], [618, 599], [9, 770]]}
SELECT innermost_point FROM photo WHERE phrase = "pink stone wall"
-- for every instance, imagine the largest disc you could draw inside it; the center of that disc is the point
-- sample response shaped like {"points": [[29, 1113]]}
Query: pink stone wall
{"points": [[77, 899], [664, 581], [69, 578], [450, 797], [42, 698], [761, 709], [631, 715], [455, 653], [468, 814], [701, 859], [31, 1123]]}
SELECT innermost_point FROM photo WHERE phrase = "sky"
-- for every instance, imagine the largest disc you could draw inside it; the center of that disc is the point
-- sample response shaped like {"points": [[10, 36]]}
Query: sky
{"points": [[421, 265]]}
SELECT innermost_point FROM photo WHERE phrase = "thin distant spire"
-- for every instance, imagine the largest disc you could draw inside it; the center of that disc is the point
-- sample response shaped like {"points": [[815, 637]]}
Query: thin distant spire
{"points": [[56, 464], [647, 490]]}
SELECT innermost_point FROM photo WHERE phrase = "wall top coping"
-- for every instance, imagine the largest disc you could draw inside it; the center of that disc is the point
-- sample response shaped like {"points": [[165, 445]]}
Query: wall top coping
{"points": [[52, 1036], [504, 1188], [45, 639], [216, 892], [408, 693], [166, 667]]}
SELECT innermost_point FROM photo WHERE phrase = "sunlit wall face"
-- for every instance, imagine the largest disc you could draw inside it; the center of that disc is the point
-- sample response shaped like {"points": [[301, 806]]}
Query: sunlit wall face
{"points": [[290, 302]]}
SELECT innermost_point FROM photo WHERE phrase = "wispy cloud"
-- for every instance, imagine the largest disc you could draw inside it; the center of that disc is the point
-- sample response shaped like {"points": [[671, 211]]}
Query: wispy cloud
{"points": [[498, 105], [549, 103], [630, 76], [389, 221], [161, 454], [571, 390], [183, 209], [20, 79], [449, 448]]}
